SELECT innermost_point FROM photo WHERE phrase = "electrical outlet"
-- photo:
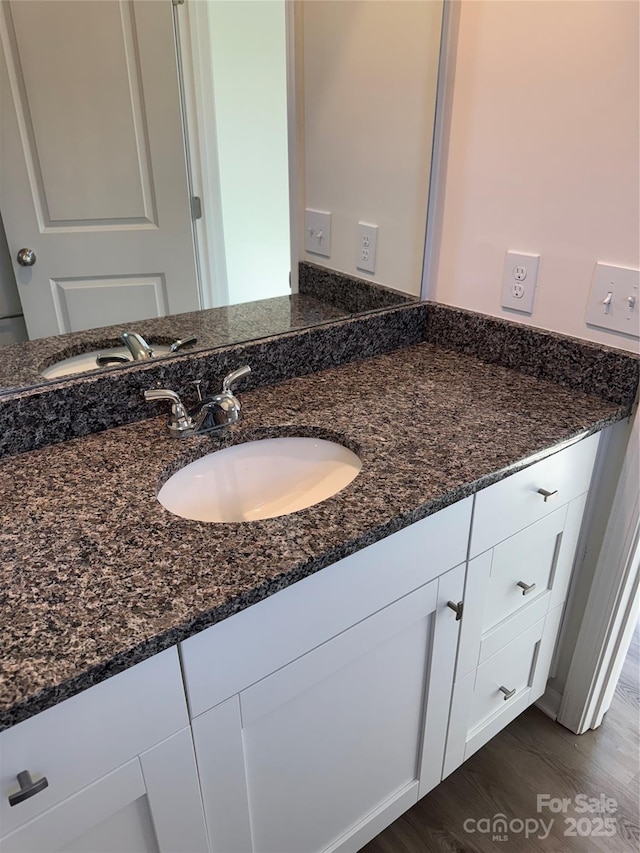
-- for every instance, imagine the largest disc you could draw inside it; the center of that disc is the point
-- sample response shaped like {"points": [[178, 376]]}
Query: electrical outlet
{"points": [[366, 247], [317, 232], [519, 281], [614, 299]]}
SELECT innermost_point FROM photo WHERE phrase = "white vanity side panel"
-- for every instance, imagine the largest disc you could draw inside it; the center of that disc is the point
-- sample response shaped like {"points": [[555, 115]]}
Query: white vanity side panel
{"points": [[513, 503], [84, 737], [235, 653]]}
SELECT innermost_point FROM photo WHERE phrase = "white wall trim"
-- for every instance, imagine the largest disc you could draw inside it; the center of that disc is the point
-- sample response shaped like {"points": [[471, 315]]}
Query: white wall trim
{"points": [[611, 610], [192, 25], [295, 124], [439, 151], [549, 702]]}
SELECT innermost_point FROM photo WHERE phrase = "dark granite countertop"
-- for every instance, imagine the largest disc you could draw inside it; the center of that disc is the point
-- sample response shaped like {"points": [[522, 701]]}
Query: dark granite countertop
{"points": [[96, 575]]}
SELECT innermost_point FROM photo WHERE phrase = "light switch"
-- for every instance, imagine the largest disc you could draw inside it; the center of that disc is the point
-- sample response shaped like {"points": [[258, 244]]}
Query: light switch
{"points": [[613, 301], [317, 232]]}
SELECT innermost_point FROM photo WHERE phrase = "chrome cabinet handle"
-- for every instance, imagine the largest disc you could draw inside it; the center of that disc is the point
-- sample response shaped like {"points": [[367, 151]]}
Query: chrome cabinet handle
{"points": [[548, 496], [26, 257], [526, 587], [28, 788], [507, 693], [457, 608]]}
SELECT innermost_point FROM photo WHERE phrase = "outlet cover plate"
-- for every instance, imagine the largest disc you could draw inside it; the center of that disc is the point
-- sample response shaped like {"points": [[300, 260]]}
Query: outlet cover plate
{"points": [[623, 311], [519, 281], [366, 246], [317, 232]]}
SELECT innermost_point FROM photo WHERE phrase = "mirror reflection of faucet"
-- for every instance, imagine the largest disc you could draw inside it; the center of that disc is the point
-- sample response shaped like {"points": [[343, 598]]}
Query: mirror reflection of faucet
{"points": [[140, 350]]}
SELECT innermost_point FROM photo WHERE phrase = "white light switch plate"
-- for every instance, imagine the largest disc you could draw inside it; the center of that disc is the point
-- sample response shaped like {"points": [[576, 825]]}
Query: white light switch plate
{"points": [[317, 232], [620, 312], [519, 281]]}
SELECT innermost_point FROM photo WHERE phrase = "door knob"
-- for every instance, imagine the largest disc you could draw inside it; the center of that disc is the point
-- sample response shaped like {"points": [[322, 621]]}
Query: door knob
{"points": [[26, 257]]}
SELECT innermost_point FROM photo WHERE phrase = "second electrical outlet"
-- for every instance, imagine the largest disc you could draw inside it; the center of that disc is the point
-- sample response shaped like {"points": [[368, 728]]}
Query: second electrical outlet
{"points": [[366, 247]]}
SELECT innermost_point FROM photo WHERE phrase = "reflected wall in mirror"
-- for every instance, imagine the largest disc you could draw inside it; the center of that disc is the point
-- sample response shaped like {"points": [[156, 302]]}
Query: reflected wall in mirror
{"points": [[158, 159]]}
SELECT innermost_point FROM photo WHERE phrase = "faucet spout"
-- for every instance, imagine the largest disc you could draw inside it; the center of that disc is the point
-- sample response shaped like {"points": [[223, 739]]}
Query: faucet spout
{"points": [[137, 346]]}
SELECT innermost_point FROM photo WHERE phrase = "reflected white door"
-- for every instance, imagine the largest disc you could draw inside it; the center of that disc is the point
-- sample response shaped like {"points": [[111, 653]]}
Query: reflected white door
{"points": [[92, 164]]}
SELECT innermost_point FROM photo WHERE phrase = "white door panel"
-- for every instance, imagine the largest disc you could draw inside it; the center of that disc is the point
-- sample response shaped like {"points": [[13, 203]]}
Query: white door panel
{"points": [[92, 164]]}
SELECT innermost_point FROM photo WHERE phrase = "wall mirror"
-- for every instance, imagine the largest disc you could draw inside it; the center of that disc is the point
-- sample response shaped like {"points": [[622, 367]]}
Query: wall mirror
{"points": [[159, 159]]}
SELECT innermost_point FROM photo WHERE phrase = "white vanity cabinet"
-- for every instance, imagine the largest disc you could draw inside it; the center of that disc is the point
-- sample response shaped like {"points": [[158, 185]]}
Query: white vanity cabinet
{"points": [[523, 543], [320, 714], [120, 767]]}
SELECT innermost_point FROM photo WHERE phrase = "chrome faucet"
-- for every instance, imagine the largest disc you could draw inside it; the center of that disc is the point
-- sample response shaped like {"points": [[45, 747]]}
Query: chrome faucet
{"points": [[209, 415], [140, 349], [137, 346]]}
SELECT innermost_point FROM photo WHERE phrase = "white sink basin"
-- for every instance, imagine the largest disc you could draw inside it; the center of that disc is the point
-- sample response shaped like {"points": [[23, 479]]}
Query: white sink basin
{"points": [[260, 479], [87, 361]]}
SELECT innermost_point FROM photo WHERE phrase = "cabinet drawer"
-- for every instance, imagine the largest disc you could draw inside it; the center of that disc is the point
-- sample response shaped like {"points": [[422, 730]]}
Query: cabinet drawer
{"points": [[504, 677], [230, 656], [85, 737], [515, 502], [522, 568], [480, 709], [496, 609]]}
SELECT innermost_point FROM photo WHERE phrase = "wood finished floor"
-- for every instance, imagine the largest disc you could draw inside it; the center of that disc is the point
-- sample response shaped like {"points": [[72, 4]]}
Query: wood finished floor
{"points": [[535, 755]]}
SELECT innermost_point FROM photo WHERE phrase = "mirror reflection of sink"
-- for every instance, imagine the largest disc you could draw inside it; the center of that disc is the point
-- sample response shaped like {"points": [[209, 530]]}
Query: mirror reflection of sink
{"points": [[87, 361], [260, 479]]}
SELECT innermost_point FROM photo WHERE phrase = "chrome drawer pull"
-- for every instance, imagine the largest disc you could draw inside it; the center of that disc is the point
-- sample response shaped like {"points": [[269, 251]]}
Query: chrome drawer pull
{"points": [[457, 609], [526, 587], [28, 788], [507, 693], [548, 496]]}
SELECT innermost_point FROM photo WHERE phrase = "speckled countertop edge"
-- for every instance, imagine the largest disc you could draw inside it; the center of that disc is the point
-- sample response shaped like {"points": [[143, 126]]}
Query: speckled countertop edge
{"points": [[101, 592]]}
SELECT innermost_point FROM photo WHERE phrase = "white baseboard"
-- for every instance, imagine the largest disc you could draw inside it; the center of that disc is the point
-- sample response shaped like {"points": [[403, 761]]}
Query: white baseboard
{"points": [[549, 702]]}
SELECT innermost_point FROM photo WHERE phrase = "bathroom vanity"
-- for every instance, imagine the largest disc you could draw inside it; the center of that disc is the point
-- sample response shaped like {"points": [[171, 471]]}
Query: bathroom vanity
{"points": [[292, 684]]}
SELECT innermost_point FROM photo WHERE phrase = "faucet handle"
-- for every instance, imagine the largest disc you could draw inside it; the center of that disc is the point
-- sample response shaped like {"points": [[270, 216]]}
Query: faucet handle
{"points": [[231, 378], [180, 422], [181, 343]]}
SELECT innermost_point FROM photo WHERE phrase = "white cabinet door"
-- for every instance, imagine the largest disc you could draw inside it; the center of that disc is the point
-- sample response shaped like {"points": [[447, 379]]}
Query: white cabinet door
{"points": [[93, 172], [325, 752], [151, 804]]}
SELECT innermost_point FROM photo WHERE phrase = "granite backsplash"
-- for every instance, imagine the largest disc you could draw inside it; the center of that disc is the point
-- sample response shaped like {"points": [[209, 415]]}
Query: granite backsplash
{"points": [[46, 415]]}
